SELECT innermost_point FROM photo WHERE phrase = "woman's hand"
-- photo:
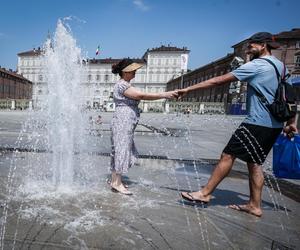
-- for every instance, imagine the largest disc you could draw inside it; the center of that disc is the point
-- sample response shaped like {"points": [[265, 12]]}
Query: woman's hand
{"points": [[171, 94]]}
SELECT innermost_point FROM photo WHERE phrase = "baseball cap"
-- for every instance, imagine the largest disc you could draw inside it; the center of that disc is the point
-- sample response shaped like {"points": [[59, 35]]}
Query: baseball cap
{"points": [[264, 37]]}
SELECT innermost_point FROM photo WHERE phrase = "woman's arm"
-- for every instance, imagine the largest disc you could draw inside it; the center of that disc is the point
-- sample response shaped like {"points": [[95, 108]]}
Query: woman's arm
{"points": [[133, 93]]}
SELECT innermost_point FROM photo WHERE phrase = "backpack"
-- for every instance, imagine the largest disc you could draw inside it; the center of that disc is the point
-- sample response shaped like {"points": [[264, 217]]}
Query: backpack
{"points": [[284, 106]]}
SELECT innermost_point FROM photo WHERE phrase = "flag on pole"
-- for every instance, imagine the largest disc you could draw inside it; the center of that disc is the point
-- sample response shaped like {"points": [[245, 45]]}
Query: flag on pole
{"points": [[98, 50], [184, 61]]}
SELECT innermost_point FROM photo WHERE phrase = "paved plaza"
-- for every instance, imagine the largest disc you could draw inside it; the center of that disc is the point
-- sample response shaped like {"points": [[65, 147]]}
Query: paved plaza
{"points": [[177, 153]]}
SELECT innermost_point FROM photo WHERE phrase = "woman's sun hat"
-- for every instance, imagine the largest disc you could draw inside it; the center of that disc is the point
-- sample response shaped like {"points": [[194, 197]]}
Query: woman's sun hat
{"points": [[132, 67], [125, 65]]}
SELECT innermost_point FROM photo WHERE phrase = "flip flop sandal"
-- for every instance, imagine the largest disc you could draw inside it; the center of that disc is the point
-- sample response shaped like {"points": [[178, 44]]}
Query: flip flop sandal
{"points": [[191, 198]]}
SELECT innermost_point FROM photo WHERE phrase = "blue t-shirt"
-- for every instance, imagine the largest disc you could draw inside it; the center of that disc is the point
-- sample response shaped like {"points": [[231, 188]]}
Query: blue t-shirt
{"points": [[261, 76]]}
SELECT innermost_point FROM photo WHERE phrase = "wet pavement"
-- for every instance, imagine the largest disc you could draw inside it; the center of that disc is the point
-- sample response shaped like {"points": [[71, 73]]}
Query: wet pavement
{"points": [[88, 215]]}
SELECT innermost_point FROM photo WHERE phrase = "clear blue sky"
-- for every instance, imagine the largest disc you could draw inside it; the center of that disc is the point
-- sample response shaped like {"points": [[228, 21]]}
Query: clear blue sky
{"points": [[128, 27]]}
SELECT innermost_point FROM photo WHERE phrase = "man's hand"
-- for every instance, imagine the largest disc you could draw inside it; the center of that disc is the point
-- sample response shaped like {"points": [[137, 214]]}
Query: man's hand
{"points": [[182, 93], [290, 130]]}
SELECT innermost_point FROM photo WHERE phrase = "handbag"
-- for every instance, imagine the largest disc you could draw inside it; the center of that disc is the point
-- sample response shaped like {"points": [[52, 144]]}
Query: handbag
{"points": [[286, 157]]}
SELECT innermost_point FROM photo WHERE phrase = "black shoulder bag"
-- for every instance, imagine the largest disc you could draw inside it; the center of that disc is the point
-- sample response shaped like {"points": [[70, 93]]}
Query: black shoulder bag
{"points": [[284, 106]]}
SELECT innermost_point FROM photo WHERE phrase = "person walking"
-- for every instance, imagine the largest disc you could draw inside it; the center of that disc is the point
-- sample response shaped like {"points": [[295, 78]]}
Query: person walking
{"points": [[125, 120], [254, 138]]}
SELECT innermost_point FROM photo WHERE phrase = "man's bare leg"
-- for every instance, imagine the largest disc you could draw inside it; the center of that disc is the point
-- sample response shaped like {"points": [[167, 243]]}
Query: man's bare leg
{"points": [[256, 183], [220, 172]]}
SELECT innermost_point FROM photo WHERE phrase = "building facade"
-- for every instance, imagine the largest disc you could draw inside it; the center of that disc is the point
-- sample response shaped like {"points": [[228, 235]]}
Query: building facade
{"points": [[288, 52], [231, 98], [201, 101], [15, 90], [159, 66]]}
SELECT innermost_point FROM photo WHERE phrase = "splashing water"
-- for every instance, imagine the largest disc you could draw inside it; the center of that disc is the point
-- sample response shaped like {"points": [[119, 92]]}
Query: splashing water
{"points": [[63, 103]]}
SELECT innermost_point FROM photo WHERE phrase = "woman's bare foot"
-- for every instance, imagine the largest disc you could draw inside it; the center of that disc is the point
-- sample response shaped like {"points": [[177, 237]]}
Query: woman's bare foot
{"points": [[108, 181], [247, 208], [120, 189], [117, 185], [196, 196]]}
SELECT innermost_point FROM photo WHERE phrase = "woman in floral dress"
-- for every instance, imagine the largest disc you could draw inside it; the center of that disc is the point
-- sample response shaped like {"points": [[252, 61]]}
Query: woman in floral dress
{"points": [[125, 120]]}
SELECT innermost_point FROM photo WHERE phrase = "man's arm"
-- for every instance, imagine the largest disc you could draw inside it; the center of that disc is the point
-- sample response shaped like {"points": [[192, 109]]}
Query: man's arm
{"points": [[218, 80]]}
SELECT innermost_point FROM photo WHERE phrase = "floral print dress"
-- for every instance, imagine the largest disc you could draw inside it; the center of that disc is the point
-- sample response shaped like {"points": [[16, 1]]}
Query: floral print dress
{"points": [[123, 124]]}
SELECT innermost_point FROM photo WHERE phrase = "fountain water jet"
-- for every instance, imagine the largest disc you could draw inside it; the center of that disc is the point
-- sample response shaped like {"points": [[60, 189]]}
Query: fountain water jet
{"points": [[63, 102]]}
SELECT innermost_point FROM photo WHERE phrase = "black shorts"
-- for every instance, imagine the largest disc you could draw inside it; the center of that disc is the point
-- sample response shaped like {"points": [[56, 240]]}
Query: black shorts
{"points": [[252, 143]]}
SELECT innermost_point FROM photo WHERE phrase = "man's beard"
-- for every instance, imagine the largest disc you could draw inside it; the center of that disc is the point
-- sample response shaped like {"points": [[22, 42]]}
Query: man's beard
{"points": [[253, 54]]}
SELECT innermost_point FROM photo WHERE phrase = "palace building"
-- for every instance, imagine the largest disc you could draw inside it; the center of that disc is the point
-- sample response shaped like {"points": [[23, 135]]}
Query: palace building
{"points": [[160, 66], [15, 90]]}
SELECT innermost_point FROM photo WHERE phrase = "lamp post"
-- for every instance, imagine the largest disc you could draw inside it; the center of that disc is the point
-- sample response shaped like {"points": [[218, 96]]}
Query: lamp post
{"points": [[181, 86], [236, 87]]}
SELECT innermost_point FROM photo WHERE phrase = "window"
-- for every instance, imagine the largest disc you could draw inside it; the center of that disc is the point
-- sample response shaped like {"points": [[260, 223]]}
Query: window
{"points": [[298, 45], [297, 61], [40, 78], [98, 77], [89, 77]]}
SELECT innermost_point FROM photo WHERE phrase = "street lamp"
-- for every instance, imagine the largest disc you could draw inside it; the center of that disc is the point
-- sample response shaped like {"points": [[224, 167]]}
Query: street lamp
{"points": [[236, 87], [235, 63]]}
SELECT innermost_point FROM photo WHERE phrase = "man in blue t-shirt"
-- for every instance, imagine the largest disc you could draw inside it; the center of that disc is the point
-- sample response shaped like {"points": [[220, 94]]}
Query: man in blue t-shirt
{"points": [[254, 138]]}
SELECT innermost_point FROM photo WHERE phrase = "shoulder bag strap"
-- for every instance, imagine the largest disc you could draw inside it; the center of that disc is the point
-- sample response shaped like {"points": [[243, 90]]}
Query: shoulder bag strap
{"points": [[269, 61], [261, 96]]}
